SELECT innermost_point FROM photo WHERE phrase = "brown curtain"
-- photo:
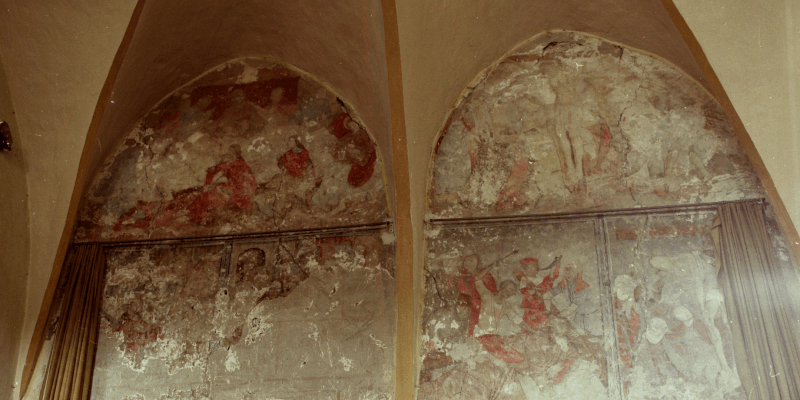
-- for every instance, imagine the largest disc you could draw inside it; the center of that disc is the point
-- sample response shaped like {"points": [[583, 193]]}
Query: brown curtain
{"points": [[69, 371], [758, 304]]}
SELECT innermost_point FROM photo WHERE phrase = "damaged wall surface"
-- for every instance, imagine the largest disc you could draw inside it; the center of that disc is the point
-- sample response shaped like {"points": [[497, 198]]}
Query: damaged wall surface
{"points": [[619, 306], [572, 123], [289, 319], [601, 308], [250, 147], [269, 271]]}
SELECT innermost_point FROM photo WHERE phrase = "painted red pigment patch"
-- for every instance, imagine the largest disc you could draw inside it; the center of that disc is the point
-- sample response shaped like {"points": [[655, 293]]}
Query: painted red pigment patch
{"points": [[326, 247], [580, 284], [565, 366], [339, 126], [359, 175], [261, 91], [627, 234], [441, 137], [534, 310], [511, 197], [700, 327], [258, 93], [466, 286], [295, 163], [489, 282], [499, 350], [137, 333], [148, 208], [547, 282], [634, 323], [676, 332], [176, 208], [219, 101], [167, 118], [238, 190], [234, 338]]}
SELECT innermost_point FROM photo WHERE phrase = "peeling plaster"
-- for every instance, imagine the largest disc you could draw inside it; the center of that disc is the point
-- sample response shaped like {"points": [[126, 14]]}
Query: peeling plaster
{"points": [[577, 123], [250, 147]]}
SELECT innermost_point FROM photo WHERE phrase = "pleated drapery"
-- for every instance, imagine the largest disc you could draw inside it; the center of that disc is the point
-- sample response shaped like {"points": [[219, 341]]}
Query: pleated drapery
{"points": [[69, 371], [758, 305]]}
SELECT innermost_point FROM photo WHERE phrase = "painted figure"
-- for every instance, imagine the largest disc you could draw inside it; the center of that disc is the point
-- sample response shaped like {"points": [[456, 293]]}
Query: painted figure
{"points": [[229, 182]]}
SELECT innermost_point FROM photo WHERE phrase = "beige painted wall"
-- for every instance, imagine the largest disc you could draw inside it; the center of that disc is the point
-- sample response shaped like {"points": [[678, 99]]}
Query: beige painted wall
{"points": [[57, 55], [14, 244], [754, 48]]}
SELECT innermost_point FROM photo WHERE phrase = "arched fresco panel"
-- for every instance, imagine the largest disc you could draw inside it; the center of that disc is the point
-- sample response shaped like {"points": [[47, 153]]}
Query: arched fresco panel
{"points": [[573, 123], [267, 269], [250, 147], [527, 295]]}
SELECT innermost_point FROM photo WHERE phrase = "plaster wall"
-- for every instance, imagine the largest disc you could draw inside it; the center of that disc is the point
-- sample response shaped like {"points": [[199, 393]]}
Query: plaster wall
{"points": [[579, 307], [340, 43], [444, 50], [57, 56], [252, 146], [14, 244], [289, 319], [444, 46], [754, 48]]}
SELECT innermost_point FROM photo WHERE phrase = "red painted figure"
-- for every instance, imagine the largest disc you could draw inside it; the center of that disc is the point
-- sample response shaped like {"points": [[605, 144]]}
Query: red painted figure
{"points": [[295, 159], [238, 190], [533, 304]]}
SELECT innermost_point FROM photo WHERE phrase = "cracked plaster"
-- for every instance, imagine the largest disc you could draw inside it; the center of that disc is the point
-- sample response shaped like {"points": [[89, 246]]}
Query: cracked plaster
{"points": [[250, 147], [576, 123]]}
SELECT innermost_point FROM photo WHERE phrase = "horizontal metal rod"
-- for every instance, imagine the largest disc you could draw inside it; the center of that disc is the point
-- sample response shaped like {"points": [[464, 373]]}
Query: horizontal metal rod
{"points": [[248, 237], [447, 223]]}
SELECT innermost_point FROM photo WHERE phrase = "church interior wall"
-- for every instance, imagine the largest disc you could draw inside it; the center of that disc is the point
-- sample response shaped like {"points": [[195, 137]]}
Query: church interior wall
{"points": [[56, 57], [14, 241], [568, 254], [291, 289]]}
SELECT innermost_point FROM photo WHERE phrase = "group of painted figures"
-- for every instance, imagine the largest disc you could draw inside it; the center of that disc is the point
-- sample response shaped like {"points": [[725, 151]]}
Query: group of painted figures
{"points": [[277, 153], [538, 324], [535, 330]]}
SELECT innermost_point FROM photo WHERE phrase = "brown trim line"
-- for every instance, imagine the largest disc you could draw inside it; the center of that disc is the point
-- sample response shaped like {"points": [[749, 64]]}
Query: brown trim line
{"points": [[405, 333], [736, 122], [37, 339], [335, 231], [452, 223]]}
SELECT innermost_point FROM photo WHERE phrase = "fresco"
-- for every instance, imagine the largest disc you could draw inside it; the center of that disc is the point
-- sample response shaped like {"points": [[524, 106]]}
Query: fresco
{"points": [[571, 123], [526, 297], [250, 147], [674, 340], [514, 312], [281, 319], [599, 307]]}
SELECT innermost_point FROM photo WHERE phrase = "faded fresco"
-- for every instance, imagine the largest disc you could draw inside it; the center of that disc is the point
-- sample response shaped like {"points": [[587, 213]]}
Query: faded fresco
{"points": [[572, 123], [674, 340], [311, 318], [514, 312], [250, 147], [593, 308], [581, 306]]}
